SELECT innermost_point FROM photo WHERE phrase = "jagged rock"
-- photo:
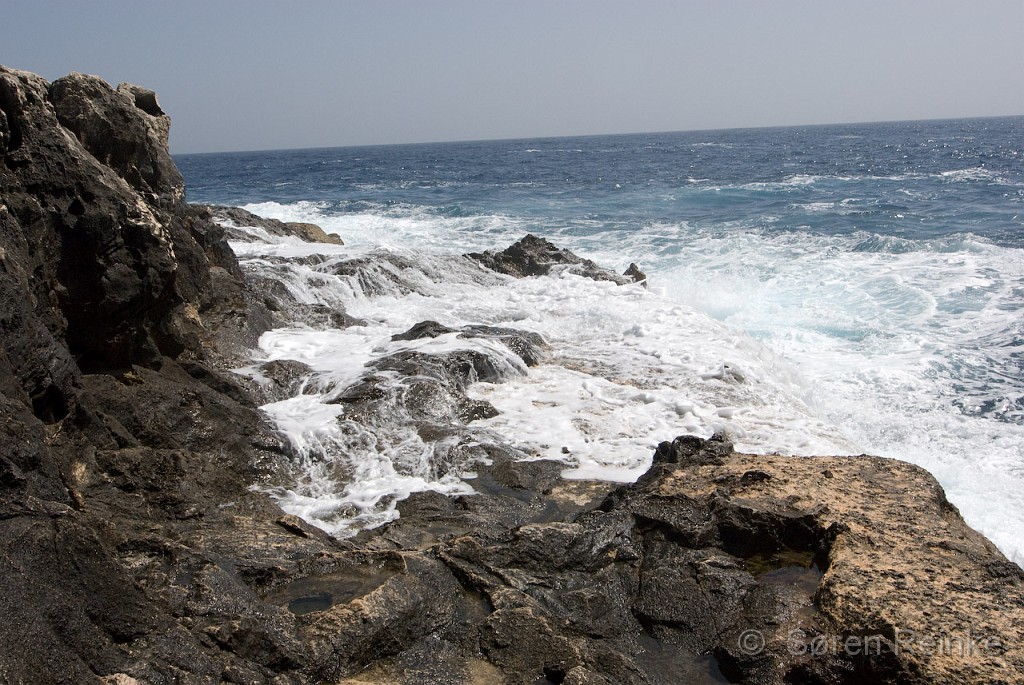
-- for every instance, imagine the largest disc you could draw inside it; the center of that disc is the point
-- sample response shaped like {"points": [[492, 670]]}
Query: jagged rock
{"points": [[528, 346], [633, 271], [535, 256], [407, 608], [754, 559], [99, 255], [67, 604], [689, 449], [889, 558], [509, 492], [117, 265], [379, 274], [424, 329], [125, 130], [431, 387], [525, 644], [105, 270], [461, 368], [281, 379], [310, 233]]}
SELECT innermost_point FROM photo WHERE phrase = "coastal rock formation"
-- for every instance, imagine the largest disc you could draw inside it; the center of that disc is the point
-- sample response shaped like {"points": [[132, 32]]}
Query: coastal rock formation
{"points": [[125, 130], [133, 548], [117, 303], [536, 256], [908, 593], [633, 271], [753, 568], [236, 216]]}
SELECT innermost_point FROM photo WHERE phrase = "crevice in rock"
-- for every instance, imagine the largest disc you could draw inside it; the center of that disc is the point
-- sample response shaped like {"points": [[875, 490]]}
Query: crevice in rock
{"points": [[146, 101], [50, 406], [553, 675]]}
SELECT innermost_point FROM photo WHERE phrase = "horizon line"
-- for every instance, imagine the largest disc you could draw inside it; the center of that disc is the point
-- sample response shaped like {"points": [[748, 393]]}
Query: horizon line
{"points": [[455, 141]]}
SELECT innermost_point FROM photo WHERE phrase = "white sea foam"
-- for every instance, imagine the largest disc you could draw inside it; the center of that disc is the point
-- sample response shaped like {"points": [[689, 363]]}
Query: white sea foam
{"points": [[887, 343], [817, 207], [794, 181], [797, 344], [969, 174], [711, 144], [397, 226], [630, 368]]}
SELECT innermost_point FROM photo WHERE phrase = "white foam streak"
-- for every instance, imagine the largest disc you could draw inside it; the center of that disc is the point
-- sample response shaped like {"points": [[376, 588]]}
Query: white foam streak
{"points": [[397, 227]]}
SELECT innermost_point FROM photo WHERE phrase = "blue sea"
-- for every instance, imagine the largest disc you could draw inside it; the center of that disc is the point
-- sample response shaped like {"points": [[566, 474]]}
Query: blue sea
{"points": [[836, 289]]}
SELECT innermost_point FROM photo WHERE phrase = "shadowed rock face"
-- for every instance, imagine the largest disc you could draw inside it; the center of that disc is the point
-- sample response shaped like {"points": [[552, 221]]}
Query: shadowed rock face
{"points": [[132, 549], [114, 299], [117, 264]]}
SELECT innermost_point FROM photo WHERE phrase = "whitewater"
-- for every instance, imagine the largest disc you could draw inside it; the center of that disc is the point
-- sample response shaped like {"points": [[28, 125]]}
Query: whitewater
{"points": [[823, 290]]}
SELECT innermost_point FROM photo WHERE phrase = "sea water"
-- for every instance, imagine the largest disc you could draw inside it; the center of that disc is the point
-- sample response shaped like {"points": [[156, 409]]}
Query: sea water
{"points": [[818, 290]]}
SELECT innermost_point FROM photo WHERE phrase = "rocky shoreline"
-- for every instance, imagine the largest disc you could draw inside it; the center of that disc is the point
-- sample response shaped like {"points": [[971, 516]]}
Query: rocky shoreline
{"points": [[136, 551]]}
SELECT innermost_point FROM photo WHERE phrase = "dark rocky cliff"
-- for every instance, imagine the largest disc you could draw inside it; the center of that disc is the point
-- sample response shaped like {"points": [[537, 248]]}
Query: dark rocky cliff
{"points": [[117, 302], [132, 549]]}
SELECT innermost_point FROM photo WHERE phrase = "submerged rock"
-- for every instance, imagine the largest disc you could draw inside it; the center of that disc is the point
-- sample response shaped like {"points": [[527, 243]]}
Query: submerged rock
{"points": [[527, 345], [422, 392]]}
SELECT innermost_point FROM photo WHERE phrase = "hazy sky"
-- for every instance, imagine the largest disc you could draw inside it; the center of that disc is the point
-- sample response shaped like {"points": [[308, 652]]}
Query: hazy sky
{"points": [[256, 74]]}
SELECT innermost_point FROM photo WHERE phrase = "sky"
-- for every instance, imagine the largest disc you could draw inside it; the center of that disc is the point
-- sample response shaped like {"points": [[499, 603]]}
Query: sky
{"points": [[262, 74]]}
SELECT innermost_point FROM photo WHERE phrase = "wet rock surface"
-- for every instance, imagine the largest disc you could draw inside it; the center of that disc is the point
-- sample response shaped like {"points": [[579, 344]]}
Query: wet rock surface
{"points": [[633, 271], [122, 437], [236, 216], [134, 550], [536, 256]]}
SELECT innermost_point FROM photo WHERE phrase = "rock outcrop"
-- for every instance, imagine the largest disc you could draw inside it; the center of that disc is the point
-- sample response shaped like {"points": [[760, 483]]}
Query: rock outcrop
{"points": [[633, 271], [535, 256], [121, 436], [722, 565], [133, 549], [238, 217]]}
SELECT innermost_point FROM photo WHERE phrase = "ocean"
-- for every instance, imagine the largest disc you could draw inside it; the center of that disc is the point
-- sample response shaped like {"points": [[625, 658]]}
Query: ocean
{"points": [[839, 289]]}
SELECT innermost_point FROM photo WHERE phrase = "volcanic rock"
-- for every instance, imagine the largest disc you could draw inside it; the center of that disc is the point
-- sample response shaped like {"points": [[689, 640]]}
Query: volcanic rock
{"points": [[119, 435], [536, 256], [310, 233], [634, 272], [125, 130]]}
